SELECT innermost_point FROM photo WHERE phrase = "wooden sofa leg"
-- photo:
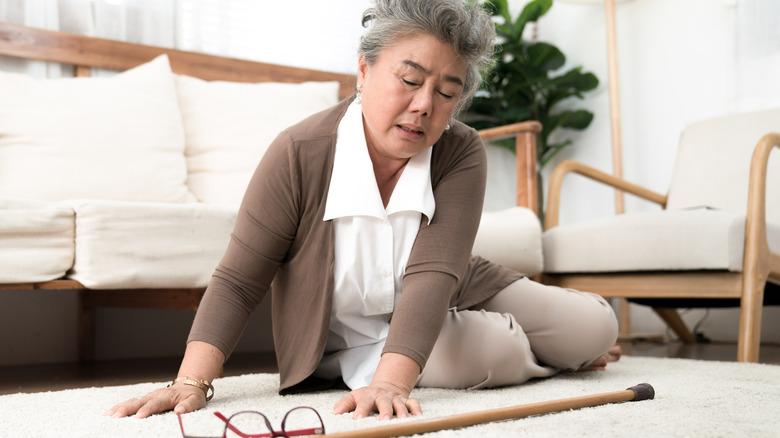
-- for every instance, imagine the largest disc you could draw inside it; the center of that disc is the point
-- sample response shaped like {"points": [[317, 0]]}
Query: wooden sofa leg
{"points": [[673, 320], [624, 313], [86, 327]]}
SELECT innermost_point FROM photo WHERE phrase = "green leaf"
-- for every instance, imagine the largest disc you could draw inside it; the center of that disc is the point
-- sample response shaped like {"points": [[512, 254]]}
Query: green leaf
{"points": [[545, 56], [533, 10], [576, 119], [571, 84], [574, 79]]}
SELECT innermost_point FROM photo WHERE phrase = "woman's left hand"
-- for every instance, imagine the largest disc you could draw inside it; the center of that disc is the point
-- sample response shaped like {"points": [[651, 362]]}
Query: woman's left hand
{"points": [[388, 392], [382, 397]]}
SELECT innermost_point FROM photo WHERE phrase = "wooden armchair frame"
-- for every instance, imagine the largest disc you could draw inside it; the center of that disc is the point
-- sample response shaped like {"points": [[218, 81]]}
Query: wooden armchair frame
{"points": [[759, 264], [85, 53]]}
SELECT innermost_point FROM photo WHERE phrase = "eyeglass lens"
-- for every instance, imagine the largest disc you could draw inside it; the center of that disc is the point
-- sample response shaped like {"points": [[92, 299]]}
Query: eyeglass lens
{"points": [[301, 421]]}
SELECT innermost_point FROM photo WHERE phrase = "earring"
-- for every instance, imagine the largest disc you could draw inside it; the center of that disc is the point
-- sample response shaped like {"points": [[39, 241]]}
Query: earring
{"points": [[447, 128], [358, 94]]}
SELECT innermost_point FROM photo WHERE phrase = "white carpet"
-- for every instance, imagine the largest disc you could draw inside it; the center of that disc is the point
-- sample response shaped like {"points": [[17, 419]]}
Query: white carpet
{"points": [[693, 399]]}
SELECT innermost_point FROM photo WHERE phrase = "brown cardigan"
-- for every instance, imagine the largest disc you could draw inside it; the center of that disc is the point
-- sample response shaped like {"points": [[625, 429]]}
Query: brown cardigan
{"points": [[280, 240]]}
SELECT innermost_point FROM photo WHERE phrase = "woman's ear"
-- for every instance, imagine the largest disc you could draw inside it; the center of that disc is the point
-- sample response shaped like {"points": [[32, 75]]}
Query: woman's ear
{"points": [[362, 69]]}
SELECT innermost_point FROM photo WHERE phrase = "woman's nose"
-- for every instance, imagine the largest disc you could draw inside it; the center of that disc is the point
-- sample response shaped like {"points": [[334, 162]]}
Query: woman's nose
{"points": [[422, 102]]}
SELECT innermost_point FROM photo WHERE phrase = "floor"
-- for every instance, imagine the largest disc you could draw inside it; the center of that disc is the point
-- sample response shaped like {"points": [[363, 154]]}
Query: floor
{"points": [[53, 377]]}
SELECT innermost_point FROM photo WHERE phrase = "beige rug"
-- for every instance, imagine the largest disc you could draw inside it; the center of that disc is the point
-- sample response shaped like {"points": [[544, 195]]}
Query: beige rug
{"points": [[693, 399]]}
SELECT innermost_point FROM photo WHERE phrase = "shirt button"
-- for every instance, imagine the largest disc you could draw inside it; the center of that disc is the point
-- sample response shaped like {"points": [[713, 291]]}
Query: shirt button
{"points": [[384, 273]]}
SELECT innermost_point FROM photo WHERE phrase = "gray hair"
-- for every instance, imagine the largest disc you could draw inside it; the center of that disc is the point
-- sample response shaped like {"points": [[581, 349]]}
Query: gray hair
{"points": [[463, 24]]}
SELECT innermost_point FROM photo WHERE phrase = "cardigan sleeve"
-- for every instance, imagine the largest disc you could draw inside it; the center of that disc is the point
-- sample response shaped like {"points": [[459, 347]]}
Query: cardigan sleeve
{"points": [[265, 227], [442, 249]]}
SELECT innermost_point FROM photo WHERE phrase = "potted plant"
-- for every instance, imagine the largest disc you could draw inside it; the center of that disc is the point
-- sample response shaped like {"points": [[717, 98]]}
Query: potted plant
{"points": [[523, 86]]}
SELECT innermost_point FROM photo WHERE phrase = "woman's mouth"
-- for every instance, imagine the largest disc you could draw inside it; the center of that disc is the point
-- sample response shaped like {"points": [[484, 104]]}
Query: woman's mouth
{"points": [[410, 132]]}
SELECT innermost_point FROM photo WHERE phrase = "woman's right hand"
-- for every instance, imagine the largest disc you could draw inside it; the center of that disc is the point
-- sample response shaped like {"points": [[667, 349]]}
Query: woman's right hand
{"points": [[180, 398], [200, 359]]}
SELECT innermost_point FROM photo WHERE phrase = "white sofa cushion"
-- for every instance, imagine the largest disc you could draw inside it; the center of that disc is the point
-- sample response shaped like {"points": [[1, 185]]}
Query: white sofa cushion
{"points": [[149, 245], [36, 240], [229, 125], [511, 238], [666, 240], [116, 137], [134, 245]]}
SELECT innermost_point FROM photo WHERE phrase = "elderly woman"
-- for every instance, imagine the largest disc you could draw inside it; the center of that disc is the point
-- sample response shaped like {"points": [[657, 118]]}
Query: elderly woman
{"points": [[361, 219]]}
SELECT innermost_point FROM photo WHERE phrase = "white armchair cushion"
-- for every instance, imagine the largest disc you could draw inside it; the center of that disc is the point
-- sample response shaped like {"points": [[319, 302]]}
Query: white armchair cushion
{"points": [[36, 240], [511, 238], [229, 126], [712, 166], [139, 245], [666, 240], [116, 137]]}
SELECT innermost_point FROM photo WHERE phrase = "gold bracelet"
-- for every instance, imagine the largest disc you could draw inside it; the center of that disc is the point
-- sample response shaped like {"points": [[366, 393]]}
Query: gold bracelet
{"points": [[202, 384]]}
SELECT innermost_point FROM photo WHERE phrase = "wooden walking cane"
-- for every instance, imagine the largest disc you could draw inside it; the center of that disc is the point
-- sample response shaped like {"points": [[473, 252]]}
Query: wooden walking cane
{"points": [[643, 391]]}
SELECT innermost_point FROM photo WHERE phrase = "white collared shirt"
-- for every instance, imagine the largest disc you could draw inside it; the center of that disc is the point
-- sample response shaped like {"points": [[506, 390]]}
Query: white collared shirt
{"points": [[372, 247]]}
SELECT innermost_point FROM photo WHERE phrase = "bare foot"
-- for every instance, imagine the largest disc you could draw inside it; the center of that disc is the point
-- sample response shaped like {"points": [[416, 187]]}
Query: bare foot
{"points": [[613, 355]]}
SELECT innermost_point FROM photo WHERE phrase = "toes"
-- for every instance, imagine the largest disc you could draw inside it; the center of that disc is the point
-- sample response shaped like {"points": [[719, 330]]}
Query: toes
{"points": [[614, 353]]}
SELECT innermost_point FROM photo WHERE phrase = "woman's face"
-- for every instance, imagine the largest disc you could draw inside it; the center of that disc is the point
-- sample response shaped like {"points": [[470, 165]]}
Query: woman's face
{"points": [[409, 95]]}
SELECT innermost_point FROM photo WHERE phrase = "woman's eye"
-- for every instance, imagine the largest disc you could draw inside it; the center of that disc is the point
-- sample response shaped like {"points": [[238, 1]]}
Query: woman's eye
{"points": [[445, 95], [410, 83]]}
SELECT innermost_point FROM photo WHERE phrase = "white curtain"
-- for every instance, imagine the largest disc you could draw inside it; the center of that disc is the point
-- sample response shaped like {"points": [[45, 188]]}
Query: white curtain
{"points": [[35, 13], [758, 55], [324, 37], [38, 13], [139, 21], [151, 22], [315, 34]]}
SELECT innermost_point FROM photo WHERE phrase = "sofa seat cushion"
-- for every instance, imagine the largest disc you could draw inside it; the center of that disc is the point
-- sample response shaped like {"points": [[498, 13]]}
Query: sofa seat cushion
{"points": [[130, 245], [697, 239], [36, 240], [511, 238], [229, 125], [135, 245], [117, 137]]}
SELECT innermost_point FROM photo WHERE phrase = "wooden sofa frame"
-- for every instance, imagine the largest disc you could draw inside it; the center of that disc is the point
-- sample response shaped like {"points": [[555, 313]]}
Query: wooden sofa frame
{"points": [[85, 53]]}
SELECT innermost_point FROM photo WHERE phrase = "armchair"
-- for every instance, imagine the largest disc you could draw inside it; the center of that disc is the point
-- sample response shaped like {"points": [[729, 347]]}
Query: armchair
{"points": [[716, 237]]}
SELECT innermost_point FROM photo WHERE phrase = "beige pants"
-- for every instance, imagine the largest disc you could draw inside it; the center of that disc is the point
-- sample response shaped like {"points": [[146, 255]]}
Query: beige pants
{"points": [[525, 331]]}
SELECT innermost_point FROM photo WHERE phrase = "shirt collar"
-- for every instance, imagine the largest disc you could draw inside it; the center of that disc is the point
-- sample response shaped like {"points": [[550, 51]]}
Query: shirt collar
{"points": [[353, 190]]}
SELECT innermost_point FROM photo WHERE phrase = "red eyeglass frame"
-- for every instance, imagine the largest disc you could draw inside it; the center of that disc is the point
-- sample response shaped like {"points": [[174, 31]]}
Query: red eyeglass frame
{"points": [[274, 433]]}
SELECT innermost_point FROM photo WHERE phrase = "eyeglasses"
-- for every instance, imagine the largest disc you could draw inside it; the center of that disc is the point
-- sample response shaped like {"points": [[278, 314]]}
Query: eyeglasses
{"points": [[302, 420]]}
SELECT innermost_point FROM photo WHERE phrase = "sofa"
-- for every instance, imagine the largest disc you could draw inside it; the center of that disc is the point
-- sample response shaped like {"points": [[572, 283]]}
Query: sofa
{"points": [[124, 186]]}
